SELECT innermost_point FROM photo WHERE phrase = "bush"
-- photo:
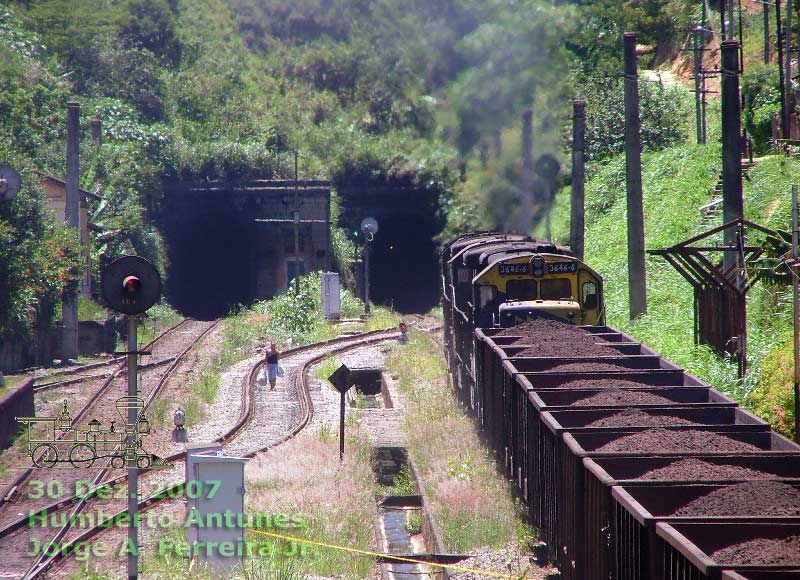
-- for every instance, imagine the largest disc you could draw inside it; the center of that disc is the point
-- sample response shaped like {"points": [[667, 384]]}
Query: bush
{"points": [[761, 91], [662, 114]]}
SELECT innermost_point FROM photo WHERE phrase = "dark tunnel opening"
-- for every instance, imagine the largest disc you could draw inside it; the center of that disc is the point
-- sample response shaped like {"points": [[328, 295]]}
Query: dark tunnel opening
{"points": [[210, 265], [404, 263]]}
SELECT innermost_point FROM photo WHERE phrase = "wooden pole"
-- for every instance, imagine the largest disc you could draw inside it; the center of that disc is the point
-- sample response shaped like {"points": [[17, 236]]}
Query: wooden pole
{"points": [[732, 203], [796, 313], [577, 224], [69, 342], [637, 282]]}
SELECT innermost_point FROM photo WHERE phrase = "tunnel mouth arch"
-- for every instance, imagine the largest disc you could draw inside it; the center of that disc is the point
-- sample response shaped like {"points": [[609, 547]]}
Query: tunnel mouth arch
{"points": [[209, 259], [404, 263]]}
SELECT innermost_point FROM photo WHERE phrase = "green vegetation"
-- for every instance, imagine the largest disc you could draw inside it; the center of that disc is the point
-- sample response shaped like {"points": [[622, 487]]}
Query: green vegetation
{"points": [[402, 484], [334, 501], [91, 310]]}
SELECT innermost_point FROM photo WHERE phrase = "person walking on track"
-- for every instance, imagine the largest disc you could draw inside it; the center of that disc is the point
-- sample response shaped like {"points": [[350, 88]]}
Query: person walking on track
{"points": [[273, 365]]}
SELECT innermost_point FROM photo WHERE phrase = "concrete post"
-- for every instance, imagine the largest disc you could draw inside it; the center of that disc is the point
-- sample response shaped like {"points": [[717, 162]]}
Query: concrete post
{"points": [[779, 44], [732, 204], [698, 90], [787, 76], [69, 338], [637, 285], [765, 7], [576, 231], [97, 132], [527, 140], [133, 471]]}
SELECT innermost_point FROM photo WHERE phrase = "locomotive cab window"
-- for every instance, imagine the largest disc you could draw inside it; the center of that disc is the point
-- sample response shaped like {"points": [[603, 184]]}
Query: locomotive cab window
{"points": [[521, 290], [589, 292], [556, 289], [486, 295]]}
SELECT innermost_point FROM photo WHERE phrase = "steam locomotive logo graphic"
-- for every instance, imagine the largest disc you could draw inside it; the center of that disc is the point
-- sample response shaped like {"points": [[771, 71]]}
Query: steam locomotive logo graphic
{"points": [[53, 442]]}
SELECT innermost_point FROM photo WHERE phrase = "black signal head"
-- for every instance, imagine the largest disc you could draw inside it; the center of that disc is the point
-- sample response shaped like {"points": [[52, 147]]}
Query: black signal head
{"points": [[131, 285]]}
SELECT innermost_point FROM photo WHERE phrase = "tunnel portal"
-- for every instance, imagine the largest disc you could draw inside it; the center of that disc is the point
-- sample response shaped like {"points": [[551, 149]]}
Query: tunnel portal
{"points": [[404, 257], [232, 244]]}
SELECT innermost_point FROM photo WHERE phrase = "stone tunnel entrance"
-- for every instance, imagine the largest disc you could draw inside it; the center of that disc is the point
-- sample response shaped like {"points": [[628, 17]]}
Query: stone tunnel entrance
{"points": [[209, 250], [404, 256], [403, 263], [220, 256]]}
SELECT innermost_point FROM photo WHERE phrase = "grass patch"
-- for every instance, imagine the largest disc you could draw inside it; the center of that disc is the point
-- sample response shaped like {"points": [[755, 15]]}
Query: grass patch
{"points": [[382, 317], [334, 501], [402, 484], [326, 368], [207, 386], [91, 310], [472, 504]]}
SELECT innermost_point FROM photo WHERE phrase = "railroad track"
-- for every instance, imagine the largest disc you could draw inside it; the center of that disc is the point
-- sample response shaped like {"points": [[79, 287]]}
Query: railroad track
{"points": [[11, 496], [317, 352]]}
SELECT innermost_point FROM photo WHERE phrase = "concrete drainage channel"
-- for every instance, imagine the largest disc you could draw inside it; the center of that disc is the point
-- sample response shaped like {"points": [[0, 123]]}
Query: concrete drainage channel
{"points": [[405, 522]]}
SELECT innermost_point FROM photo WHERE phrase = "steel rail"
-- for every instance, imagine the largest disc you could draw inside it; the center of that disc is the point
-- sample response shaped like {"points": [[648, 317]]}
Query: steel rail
{"points": [[248, 411]]}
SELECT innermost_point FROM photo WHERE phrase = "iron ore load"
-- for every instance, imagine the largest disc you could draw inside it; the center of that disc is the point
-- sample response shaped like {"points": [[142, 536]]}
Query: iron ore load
{"points": [[632, 468]]}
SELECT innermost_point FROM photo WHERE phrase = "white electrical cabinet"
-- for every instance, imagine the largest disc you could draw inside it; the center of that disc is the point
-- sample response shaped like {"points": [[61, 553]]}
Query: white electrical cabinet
{"points": [[331, 299], [215, 508]]}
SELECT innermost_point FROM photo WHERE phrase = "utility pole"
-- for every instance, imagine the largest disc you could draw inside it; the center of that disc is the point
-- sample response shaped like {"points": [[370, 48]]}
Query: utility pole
{"points": [[765, 6], [133, 471], [697, 48], [296, 220], [779, 44], [732, 203], [796, 308], [729, 23], [577, 225], [637, 282], [368, 238], [787, 76], [69, 318]]}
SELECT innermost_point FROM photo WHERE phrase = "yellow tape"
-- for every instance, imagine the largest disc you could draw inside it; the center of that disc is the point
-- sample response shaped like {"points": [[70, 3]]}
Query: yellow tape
{"points": [[387, 556]]}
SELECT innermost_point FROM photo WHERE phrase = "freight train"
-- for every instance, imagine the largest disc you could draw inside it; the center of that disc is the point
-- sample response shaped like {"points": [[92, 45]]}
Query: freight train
{"points": [[632, 468]]}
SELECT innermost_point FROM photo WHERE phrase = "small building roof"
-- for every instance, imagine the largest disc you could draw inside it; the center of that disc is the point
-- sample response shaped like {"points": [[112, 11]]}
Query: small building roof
{"points": [[62, 183]]}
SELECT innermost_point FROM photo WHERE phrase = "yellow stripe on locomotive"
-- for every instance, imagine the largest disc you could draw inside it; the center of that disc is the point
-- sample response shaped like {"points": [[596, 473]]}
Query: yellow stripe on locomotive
{"points": [[512, 290]]}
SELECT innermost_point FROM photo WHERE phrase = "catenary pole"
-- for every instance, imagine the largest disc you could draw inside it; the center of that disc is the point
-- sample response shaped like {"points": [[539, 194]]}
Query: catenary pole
{"points": [[637, 284], [577, 224], [732, 202], [69, 342]]}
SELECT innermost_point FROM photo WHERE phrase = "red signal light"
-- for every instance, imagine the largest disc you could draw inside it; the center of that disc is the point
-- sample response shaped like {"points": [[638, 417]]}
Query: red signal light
{"points": [[131, 284]]}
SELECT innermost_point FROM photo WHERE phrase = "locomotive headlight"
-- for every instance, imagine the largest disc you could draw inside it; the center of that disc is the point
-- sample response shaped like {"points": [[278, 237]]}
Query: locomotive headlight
{"points": [[537, 265]]}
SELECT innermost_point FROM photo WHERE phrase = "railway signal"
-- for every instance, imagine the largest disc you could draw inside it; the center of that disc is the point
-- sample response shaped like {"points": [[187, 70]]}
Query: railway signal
{"points": [[342, 380], [369, 227], [131, 285]]}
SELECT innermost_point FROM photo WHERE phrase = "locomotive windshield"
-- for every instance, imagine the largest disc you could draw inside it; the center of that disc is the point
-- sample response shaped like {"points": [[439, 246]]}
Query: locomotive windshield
{"points": [[556, 289]]}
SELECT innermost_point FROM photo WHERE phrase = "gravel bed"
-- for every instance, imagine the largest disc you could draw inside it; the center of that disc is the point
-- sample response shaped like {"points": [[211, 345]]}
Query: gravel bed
{"points": [[753, 498], [666, 441], [498, 560], [637, 417], [223, 413]]}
